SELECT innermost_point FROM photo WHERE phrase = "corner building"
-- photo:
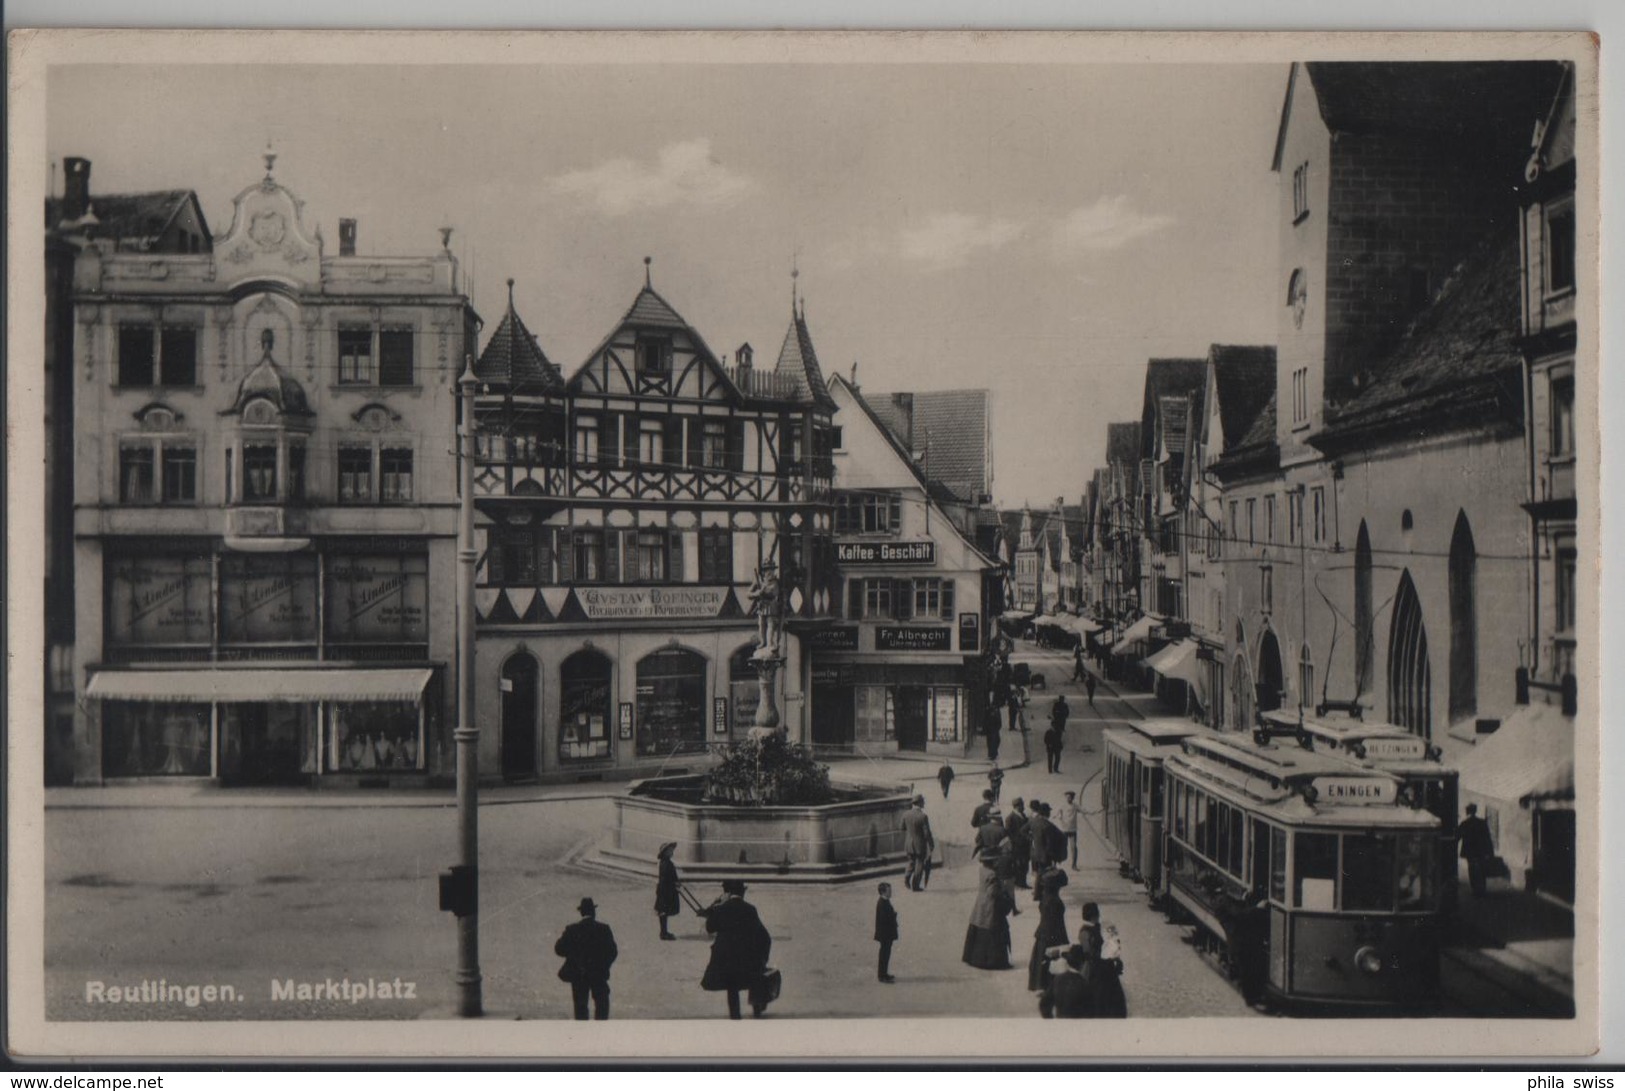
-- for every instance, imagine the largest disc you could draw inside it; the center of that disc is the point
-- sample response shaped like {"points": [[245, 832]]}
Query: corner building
{"points": [[264, 516], [624, 512]]}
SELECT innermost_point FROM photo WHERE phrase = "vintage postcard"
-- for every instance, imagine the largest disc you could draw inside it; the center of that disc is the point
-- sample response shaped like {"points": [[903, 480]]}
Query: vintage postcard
{"points": [[895, 540]]}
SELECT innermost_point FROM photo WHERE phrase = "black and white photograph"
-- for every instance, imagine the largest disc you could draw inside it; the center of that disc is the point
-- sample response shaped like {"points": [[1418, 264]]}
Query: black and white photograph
{"points": [[892, 540]]}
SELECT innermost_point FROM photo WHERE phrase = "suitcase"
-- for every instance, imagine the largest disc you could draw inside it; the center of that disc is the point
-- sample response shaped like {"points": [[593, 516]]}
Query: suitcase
{"points": [[766, 989]]}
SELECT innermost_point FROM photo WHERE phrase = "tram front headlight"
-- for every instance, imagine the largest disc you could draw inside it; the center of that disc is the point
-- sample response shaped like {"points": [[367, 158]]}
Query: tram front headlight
{"points": [[1368, 960]]}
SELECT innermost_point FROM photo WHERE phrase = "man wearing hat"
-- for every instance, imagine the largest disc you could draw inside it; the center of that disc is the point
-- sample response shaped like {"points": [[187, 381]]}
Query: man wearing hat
{"points": [[918, 843], [588, 949], [740, 951]]}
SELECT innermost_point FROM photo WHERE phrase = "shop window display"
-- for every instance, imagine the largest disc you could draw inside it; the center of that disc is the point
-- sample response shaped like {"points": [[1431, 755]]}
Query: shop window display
{"points": [[584, 707], [375, 735], [149, 739]]}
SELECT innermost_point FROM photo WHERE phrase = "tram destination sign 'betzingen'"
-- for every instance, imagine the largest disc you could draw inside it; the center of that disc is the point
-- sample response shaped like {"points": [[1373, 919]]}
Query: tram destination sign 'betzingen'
{"points": [[886, 552]]}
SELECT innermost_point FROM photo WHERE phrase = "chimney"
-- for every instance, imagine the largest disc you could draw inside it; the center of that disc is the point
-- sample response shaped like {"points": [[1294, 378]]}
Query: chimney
{"points": [[75, 187], [346, 238], [742, 360]]}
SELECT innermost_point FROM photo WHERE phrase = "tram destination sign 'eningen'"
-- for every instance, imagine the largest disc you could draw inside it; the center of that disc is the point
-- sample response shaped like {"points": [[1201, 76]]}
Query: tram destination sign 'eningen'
{"points": [[1355, 789], [886, 552]]}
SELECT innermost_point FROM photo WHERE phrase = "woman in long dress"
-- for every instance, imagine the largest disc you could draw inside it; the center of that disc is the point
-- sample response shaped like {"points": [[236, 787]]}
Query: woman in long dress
{"points": [[1106, 956], [1051, 927], [987, 940]]}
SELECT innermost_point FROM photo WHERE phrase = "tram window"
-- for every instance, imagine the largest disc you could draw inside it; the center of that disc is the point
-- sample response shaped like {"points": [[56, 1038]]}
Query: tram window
{"points": [[1156, 794], [1233, 859], [1417, 873], [1221, 849], [1368, 872], [1315, 871], [1277, 865], [1207, 836]]}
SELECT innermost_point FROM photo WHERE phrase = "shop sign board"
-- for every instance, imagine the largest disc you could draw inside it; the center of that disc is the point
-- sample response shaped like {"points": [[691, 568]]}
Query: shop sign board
{"points": [[637, 603], [886, 552], [913, 638]]}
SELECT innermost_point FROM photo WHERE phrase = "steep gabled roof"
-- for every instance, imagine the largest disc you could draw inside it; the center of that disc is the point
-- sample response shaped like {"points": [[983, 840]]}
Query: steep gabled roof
{"points": [[798, 358], [949, 428], [1450, 99], [1460, 357], [513, 358], [1123, 441], [136, 219], [1164, 378], [1243, 381], [649, 310]]}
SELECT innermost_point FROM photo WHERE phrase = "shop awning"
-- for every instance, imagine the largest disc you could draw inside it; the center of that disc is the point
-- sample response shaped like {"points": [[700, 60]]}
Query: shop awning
{"points": [[1015, 615], [1177, 660], [1135, 633], [1083, 626], [208, 685], [1530, 756]]}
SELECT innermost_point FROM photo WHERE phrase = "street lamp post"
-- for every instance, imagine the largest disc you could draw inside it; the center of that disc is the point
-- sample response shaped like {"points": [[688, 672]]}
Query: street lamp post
{"points": [[467, 733]]}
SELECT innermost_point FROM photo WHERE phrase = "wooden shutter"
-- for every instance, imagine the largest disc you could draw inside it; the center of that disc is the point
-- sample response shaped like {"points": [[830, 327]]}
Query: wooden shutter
{"points": [[629, 438], [493, 556], [854, 599], [612, 556], [696, 441], [736, 445], [567, 558], [947, 600], [674, 557], [672, 441], [544, 555], [902, 599]]}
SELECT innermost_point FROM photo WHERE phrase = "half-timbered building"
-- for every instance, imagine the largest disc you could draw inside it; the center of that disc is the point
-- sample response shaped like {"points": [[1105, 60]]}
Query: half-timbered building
{"points": [[625, 513]]}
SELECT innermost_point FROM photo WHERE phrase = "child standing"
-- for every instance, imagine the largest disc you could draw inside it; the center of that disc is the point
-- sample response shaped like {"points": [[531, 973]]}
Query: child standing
{"points": [[885, 931], [945, 776]]}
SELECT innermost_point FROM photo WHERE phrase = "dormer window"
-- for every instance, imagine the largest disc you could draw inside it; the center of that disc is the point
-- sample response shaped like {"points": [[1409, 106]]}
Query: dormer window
{"points": [[1300, 193], [654, 355]]}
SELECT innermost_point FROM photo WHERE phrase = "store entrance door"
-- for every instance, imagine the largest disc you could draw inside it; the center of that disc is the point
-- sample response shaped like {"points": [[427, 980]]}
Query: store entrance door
{"points": [[910, 713], [833, 722], [518, 683], [265, 743]]}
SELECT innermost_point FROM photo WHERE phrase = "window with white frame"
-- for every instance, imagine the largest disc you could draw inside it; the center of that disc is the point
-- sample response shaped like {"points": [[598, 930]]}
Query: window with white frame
{"points": [[1317, 506], [1562, 417], [1269, 519], [649, 562], [1300, 395], [586, 440], [1294, 516], [1306, 676], [1252, 521], [1559, 247], [651, 442], [877, 598], [157, 470], [934, 598], [714, 445], [378, 355], [374, 472], [868, 513], [1266, 588]]}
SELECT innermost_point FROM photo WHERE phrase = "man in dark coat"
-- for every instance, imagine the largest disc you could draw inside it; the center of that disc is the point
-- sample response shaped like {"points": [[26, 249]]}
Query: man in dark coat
{"points": [[588, 949], [1041, 846], [918, 843], [979, 815], [992, 729], [1058, 715], [1477, 848], [885, 931], [740, 951], [1015, 824], [1089, 688], [1052, 750]]}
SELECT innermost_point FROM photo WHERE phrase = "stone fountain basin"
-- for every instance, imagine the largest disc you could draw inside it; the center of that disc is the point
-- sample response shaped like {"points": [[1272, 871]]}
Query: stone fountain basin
{"points": [[857, 835]]}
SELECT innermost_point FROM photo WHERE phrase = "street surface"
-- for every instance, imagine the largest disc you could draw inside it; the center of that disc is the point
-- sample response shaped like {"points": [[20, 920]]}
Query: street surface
{"points": [[246, 891]]}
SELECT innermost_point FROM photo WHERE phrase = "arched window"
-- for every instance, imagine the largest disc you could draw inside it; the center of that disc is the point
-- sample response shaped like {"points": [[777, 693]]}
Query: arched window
{"points": [[1271, 673], [1410, 677], [1463, 623], [1242, 694], [584, 706], [1364, 629], [671, 702]]}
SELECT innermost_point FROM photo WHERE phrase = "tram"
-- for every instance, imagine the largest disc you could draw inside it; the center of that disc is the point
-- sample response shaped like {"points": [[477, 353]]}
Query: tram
{"points": [[1424, 779], [1131, 794], [1308, 871]]}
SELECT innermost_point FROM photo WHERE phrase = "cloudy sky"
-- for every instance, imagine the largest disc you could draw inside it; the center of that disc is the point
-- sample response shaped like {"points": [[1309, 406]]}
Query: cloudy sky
{"points": [[1039, 231]]}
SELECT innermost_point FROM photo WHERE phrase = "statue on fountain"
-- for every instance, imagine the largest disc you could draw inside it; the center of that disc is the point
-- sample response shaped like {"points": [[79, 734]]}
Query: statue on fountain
{"points": [[767, 606]]}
